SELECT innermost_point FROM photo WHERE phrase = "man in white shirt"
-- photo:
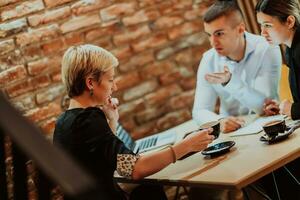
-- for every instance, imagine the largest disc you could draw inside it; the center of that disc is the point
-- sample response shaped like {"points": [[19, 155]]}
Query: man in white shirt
{"points": [[241, 69]]}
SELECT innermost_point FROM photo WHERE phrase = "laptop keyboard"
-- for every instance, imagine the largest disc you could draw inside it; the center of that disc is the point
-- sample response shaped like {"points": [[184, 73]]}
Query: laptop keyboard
{"points": [[148, 143]]}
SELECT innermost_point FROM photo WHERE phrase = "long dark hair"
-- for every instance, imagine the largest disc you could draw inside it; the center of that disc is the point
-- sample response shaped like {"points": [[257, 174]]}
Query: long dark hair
{"points": [[280, 9]]}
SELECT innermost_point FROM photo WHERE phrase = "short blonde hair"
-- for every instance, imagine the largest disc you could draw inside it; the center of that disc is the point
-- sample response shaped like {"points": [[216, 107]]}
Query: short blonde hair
{"points": [[80, 61]]}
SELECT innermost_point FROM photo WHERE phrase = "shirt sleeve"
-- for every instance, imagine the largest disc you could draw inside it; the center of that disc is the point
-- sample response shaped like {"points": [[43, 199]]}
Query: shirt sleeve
{"points": [[265, 84], [94, 136], [205, 95]]}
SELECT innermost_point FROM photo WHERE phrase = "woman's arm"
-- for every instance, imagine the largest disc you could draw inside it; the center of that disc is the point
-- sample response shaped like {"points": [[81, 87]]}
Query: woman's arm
{"points": [[151, 163]]}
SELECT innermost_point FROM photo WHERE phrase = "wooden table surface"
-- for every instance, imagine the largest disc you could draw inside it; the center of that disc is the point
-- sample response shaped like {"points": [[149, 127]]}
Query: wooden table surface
{"points": [[247, 161]]}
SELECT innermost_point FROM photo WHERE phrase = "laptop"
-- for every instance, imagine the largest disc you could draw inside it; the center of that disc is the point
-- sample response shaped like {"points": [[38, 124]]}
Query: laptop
{"points": [[152, 142]]}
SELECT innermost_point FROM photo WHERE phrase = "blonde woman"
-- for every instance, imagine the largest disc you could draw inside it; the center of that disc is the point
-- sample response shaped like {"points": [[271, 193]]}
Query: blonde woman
{"points": [[86, 130]]}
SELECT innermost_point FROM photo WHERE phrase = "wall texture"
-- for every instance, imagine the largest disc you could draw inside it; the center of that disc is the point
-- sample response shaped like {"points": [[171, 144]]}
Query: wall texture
{"points": [[158, 42]]}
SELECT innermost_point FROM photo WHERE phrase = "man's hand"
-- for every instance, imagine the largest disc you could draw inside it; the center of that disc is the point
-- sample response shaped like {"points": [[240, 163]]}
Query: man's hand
{"points": [[219, 77], [230, 124], [270, 107], [285, 107]]}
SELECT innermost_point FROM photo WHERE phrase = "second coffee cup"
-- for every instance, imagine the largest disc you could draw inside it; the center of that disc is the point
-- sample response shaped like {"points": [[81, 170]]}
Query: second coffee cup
{"points": [[215, 125]]}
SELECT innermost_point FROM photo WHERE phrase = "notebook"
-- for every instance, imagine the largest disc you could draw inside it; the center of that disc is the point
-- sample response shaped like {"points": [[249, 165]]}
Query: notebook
{"points": [[167, 137]]}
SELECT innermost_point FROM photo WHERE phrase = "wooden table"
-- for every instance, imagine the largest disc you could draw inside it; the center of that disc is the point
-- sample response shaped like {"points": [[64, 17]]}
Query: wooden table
{"points": [[249, 160]]}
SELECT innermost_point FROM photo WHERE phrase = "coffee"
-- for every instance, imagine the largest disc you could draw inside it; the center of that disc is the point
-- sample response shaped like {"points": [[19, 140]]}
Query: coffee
{"points": [[215, 125], [208, 124], [274, 127], [273, 123]]}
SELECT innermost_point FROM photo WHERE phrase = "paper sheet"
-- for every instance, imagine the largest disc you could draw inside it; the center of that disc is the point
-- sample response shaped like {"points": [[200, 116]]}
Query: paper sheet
{"points": [[255, 126]]}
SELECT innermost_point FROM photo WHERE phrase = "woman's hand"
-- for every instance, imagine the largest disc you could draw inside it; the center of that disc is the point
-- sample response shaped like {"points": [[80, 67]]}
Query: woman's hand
{"points": [[285, 107], [198, 141], [111, 112], [111, 109], [231, 123], [270, 107]]}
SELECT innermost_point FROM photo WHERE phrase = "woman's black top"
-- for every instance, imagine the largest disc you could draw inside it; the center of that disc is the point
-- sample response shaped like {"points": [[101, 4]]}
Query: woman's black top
{"points": [[293, 62], [87, 137]]}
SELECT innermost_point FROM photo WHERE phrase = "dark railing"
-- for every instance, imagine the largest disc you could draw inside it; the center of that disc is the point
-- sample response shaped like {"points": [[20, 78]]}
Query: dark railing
{"points": [[54, 166]]}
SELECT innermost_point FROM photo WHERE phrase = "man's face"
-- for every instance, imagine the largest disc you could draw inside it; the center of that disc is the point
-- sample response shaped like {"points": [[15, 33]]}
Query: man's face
{"points": [[224, 37]]}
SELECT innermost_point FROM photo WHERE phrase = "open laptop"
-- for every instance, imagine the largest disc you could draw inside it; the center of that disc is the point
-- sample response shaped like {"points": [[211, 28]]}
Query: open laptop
{"points": [[148, 143]]}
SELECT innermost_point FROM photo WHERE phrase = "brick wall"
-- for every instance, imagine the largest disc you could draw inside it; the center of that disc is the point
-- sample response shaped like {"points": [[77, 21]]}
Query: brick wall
{"points": [[158, 42]]}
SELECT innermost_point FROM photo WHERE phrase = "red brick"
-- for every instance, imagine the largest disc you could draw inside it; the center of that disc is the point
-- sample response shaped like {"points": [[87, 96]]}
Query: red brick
{"points": [[184, 100], [37, 35], [156, 40], [141, 16], [136, 61], [19, 88], [140, 90], [185, 29], [53, 46], [176, 75], [12, 74], [174, 118], [22, 9], [156, 69], [160, 96], [6, 2], [117, 10], [39, 114], [131, 34], [165, 53], [185, 57], [122, 52], [131, 108], [31, 52], [49, 94], [56, 76], [188, 83], [202, 7], [150, 114], [27, 86], [24, 103], [127, 80], [80, 22], [128, 123], [171, 7], [145, 3], [53, 3], [74, 38], [48, 126], [191, 14], [143, 130], [84, 6], [13, 27], [11, 59], [183, 4], [6, 46], [38, 67], [106, 43], [50, 16], [167, 21], [98, 33]]}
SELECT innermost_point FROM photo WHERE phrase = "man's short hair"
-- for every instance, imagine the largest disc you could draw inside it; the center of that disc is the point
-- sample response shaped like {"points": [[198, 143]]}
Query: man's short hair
{"points": [[222, 8]]}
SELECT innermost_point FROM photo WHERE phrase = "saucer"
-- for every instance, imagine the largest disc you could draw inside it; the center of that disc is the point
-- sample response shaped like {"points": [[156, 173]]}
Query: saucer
{"points": [[277, 138], [218, 149]]}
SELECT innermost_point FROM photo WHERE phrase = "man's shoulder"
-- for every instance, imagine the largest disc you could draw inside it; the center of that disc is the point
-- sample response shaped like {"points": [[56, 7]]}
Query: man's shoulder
{"points": [[210, 54], [260, 44]]}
